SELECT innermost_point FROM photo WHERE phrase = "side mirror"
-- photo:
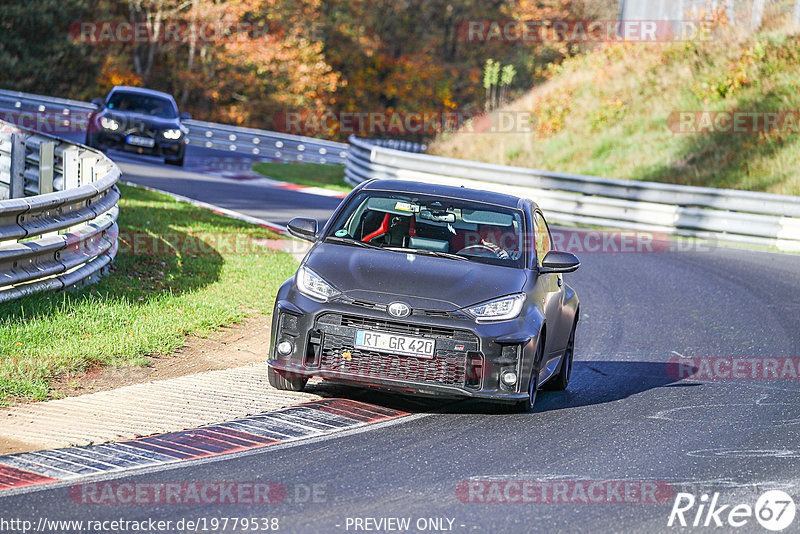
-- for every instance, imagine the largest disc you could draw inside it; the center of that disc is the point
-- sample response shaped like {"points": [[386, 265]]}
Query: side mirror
{"points": [[559, 262], [99, 103], [185, 116], [303, 228]]}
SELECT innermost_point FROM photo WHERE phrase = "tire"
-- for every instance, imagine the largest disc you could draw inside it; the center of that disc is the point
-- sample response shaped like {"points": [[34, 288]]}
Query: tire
{"points": [[280, 380], [526, 405], [561, 380], [177, 162]]}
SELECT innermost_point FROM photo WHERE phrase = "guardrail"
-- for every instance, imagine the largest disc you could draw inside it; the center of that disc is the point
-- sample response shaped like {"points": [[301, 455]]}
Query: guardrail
{"points": [[58, 213], [72, 115], [717, 214], [264, 143]]}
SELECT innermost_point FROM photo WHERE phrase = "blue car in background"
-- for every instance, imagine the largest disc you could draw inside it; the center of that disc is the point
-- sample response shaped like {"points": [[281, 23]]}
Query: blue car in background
{"points": [[141, 121]]}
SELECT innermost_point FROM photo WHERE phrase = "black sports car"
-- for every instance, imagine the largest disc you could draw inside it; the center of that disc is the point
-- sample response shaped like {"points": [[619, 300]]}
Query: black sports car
{"points": [[432, 290], [141, 121]]}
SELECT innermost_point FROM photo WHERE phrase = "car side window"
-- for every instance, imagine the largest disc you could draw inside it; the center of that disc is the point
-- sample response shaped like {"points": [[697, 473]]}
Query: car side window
{"points": [[543, 245]]}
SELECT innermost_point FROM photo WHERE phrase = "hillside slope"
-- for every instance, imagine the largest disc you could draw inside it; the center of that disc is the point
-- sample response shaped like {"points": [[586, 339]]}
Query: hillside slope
{"points": [[613, 113]]}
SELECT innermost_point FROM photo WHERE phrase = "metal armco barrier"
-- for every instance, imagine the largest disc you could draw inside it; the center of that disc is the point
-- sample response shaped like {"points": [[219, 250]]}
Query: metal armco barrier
{"points": [[236, 139], [71, 115], [58, 213], [716, 214]]}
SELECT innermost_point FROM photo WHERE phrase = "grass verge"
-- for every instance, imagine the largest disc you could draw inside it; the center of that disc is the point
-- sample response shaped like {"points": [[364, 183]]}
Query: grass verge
{"points": [[309, 174], [180, 270], [615, 112]]}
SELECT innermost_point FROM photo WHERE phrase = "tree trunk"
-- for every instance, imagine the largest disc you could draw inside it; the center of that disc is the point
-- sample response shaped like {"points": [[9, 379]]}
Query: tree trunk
{"points": [[796, 15], [192, 51], [757, 16]]}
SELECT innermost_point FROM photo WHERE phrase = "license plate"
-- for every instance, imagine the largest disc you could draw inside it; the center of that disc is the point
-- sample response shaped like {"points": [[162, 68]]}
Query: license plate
{"points": [[394, 343], [135, 140]]}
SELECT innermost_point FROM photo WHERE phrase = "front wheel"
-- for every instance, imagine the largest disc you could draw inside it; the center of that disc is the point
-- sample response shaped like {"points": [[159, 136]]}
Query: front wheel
{"points": [[178, 162], [527, 405], [284, 381], [561, 380]]}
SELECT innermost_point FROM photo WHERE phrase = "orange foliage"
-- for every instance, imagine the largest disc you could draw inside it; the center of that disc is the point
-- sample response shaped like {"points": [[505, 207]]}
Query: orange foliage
{"points": [[326, 55], [114, 72]]}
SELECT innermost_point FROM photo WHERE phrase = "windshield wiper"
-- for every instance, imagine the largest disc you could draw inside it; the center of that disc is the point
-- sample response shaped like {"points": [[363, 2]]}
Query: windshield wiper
{"points": [[421, 251], [427, 252], [351, 242]]}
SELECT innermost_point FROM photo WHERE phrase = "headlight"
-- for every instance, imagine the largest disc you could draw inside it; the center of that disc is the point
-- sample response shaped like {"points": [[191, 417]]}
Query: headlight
{"points": [[172, 134], [109, 124], [500, 309], [312, 285]]}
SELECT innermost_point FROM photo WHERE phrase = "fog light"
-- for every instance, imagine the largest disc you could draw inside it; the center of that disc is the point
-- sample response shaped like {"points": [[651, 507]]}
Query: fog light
{"points": [[509, 378], [285, 347]]}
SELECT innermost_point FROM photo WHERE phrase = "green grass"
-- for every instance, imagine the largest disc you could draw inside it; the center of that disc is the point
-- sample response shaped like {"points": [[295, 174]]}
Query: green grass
{"points": [[208, 271], [606, 113], [309, 174]]}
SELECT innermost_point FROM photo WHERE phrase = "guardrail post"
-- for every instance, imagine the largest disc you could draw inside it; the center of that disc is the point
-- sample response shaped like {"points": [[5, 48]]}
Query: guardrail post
{"points": [[70, 168], [16, 184], [46, 155], [87, 162]]}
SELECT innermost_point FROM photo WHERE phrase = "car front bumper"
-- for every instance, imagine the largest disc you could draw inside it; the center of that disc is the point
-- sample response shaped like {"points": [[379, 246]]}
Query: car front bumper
{"points": [[162, 147], [469, 357]]}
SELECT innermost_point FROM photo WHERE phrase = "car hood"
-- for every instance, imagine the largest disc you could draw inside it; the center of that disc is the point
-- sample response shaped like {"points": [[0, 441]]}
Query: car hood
{"points": [[426, 282]]}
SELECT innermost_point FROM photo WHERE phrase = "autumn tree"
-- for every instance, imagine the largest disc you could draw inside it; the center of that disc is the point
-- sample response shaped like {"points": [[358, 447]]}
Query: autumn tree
{"points": [[312, 55]]}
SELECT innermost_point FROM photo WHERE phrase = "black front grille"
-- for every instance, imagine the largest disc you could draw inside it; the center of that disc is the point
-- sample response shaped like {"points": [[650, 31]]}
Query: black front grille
{"points": [[395, 327], [142, 130], [447, 368], [339, 356]]}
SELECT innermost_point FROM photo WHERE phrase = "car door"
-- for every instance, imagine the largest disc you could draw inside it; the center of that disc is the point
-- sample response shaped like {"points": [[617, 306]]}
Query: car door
{"points": [[551, 289]]}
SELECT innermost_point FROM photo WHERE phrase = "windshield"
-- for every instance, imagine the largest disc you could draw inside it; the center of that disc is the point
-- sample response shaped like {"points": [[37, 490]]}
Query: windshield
{"points": [[450, 228], [144, 104]]}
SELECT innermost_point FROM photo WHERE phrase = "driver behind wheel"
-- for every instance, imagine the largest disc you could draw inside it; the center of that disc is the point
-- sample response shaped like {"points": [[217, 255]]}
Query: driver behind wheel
{"points": [[491, 237], [500, 241]]}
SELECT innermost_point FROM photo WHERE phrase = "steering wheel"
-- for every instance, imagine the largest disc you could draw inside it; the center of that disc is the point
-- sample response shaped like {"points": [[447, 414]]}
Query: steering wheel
{"points": [[481, 247]]}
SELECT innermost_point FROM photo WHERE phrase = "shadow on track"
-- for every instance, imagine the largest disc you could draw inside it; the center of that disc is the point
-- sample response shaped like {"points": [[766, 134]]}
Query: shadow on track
{"points": [[600, 382], [593, 382]]}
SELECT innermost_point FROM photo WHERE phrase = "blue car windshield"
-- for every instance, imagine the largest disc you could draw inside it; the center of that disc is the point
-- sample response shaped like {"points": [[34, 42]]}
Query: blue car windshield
{"points": [[144, 104], [460, 229]]}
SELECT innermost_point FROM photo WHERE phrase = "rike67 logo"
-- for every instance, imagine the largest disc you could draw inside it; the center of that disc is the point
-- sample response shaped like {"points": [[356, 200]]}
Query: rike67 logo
{"points": [[774, 510]]}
